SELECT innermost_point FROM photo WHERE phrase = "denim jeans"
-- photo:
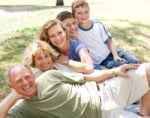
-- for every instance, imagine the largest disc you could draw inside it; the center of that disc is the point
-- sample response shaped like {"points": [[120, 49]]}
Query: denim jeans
{"points": [[110, 63]]}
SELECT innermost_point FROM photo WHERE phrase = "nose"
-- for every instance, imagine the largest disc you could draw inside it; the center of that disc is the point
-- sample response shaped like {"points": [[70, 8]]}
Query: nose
{"points": [[25, 81], [57, 37]]}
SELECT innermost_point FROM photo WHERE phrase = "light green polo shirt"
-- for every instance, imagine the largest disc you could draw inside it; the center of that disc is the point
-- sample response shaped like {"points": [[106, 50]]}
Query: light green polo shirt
{"points": [[61, 95]]}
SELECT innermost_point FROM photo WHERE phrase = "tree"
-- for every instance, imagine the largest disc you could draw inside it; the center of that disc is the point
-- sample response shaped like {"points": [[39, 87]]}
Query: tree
{"points": [[59, 2]]}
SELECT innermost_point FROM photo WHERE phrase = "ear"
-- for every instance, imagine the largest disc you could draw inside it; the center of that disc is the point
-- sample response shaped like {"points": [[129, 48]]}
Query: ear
{"points": [[10, 85]]}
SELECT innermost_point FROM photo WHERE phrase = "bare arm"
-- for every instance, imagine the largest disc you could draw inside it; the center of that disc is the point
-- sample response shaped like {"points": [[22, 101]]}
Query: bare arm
{"points": [[76, 66], [113, 50], [8, 102], [102, 75], [86, 58]]}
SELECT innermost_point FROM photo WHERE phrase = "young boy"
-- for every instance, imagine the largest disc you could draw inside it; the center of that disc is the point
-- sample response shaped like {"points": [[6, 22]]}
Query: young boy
{"points": [[97, 38]]}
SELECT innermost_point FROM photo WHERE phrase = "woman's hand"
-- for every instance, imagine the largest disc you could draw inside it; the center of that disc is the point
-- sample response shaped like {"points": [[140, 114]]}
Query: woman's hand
{"points": [[62, 59]]}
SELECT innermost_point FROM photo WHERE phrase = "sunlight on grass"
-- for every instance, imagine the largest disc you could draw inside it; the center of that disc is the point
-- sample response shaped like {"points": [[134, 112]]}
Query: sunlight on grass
{"points": [[128, 21]]}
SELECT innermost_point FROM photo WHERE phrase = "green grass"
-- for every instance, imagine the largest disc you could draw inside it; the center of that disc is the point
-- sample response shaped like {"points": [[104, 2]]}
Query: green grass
{"points": [[20, 20]]}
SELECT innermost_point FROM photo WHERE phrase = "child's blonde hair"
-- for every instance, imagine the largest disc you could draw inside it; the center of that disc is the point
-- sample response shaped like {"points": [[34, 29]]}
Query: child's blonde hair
{"points": [[33, 48], [77, 4]]}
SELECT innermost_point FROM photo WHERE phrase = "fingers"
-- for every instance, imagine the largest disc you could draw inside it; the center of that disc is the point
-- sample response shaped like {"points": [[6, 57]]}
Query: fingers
{"points": [[131, 66]]}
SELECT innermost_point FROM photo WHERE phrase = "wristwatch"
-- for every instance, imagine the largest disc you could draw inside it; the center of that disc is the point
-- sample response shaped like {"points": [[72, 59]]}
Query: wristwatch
{"points": [[114, 73], [66, 61]]}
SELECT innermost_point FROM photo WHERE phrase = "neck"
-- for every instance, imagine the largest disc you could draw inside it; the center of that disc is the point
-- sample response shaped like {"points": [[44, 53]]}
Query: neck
{"points": [[74, 37], [66, 48], [86, 25]]}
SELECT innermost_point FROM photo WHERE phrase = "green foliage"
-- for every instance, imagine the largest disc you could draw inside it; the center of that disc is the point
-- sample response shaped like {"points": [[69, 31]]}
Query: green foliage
{"points": [[11, 52]]}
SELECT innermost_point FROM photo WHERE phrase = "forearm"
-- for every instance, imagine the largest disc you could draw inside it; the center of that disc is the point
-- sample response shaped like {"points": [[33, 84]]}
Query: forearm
{"points": [[85, 57], [99, 76], [7, 103], [80, 67], [112, 48]]}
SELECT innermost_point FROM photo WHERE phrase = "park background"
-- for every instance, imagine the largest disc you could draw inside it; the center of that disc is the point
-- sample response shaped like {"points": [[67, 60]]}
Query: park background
{"points": [[20, 21]]}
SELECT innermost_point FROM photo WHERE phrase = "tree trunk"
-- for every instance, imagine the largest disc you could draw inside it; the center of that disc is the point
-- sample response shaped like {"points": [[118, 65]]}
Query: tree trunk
{"points": [[59, 3]]}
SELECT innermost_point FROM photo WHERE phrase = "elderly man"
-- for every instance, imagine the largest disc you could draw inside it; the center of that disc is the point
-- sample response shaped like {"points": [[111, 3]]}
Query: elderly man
{"points": [[57, 94]]}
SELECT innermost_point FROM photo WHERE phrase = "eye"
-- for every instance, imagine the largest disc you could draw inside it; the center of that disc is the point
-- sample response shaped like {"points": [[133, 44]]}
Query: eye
{"points": [[38, 58], [47, 56], [68, 25], [60, 32], [52, 36], [27, 77], [79, 13], [18, 81]]}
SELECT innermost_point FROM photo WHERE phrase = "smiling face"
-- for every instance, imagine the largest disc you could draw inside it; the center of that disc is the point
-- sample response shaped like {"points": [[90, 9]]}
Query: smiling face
{"points": [[57, 36], [71, 26], [22, 80], [43, 60], [82, 14]]}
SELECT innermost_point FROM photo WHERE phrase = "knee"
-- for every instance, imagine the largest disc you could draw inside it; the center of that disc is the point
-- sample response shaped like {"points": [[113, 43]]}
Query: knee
{"points": [[134, 61]]}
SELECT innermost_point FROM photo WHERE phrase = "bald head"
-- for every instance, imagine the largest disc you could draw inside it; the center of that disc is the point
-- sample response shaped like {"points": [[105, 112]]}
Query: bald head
{"points": [[13, 70]]}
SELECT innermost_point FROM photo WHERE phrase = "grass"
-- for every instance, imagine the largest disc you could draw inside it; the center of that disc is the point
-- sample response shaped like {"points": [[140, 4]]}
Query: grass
{"points": [[128, 21]]}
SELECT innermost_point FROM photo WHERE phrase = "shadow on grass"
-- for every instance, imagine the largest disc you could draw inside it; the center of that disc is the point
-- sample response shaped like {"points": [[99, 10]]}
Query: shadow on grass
{"points": [[14, 46], [131, 33], [22, 8]]}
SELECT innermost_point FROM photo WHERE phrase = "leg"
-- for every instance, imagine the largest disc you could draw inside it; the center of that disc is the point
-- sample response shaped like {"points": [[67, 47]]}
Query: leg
{"points": [[145, 101], [118, 93], [119, 113], [128, 57]]}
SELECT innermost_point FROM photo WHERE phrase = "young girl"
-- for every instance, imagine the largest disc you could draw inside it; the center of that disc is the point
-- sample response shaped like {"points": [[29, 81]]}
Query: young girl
{"points": [[73, 53]]}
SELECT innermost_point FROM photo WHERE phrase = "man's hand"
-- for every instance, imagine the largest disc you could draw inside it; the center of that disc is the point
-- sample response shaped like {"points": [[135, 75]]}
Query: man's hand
{"points": [[121, 71], [19, 96]]}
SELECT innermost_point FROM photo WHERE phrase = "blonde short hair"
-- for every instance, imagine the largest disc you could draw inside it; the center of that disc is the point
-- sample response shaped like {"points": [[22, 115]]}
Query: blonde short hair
{"points": [[33, 48], [77, 4]]}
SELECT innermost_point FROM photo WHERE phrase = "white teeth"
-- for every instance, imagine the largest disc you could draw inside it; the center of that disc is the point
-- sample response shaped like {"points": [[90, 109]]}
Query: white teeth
{"points": [[27, 87]]}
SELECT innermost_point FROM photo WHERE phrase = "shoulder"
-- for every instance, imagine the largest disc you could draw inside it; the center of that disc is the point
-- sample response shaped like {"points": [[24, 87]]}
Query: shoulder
{"points": [[97, 22], [76, 43]]}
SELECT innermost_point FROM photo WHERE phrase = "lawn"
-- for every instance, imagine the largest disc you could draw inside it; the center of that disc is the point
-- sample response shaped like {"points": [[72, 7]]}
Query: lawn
{"points": [[20, 21]]}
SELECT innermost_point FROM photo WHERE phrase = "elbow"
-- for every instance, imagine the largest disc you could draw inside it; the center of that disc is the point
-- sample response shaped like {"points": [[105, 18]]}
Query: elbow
{"points": [[89, 69]]}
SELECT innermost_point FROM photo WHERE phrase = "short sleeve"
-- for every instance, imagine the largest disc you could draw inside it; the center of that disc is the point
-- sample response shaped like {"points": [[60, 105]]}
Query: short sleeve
{"points": [[105, 33], [75, 47]]}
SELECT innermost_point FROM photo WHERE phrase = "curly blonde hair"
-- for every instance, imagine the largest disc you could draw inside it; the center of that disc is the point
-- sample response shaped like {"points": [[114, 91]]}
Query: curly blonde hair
{"points": [[44, 31], [33, 48]]}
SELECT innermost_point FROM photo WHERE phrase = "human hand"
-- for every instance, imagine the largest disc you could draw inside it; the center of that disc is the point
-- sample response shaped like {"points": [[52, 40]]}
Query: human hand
{"points": [[121, 71], [117, 58], [62, 59], [18, 95]]}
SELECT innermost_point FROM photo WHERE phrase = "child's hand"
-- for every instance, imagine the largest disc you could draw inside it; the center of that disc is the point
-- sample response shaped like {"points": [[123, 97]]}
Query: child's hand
{"points": [[117, 58]]}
